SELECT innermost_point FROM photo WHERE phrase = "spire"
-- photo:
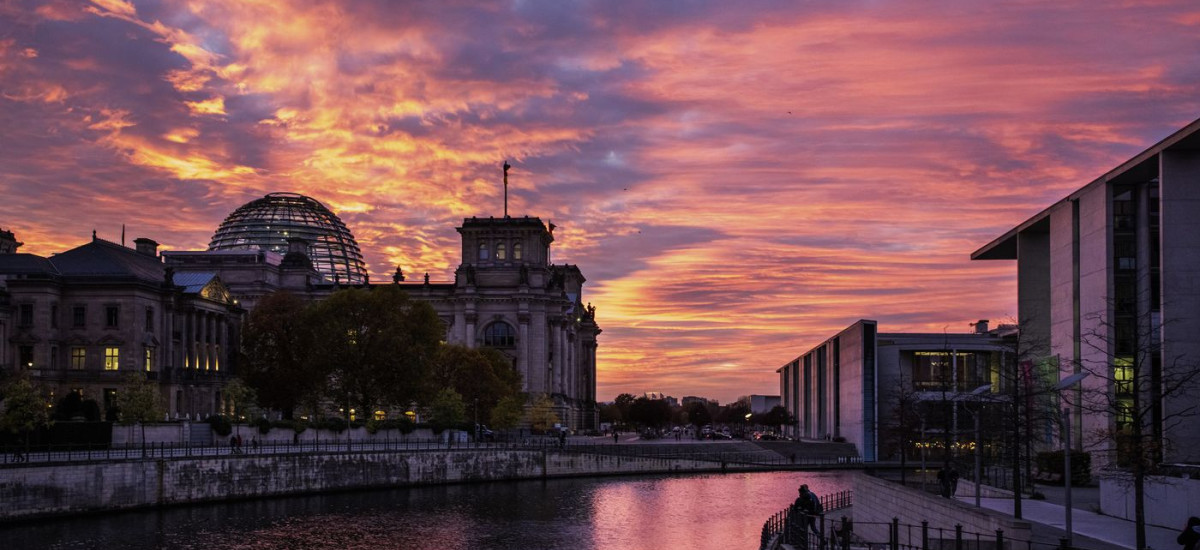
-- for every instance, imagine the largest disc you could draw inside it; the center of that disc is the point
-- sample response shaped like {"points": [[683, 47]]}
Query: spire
{"points": [[506, 167]]}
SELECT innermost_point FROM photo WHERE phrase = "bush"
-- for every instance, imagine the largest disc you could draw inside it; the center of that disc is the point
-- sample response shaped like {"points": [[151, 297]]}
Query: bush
{"points": [[262, 424], [294, 425], [220, 425], [334, 424], [1051, 462]]}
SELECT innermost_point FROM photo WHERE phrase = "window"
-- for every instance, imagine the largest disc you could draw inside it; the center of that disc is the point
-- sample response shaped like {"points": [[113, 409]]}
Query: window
{"points": [[26, 319], [1123, 376], [54, 357], [501, 251], [112, 358], [78, 316], [25, 356], [78, 358], [149, 319], [53, 315], [499, 335], [483, 252], [149, 358], [516, 251], [112, 316], [380, 415]]}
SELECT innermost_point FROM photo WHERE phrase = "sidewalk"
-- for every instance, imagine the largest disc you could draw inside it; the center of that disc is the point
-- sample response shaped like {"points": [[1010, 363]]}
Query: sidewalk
{"points": [[1092, 530]]}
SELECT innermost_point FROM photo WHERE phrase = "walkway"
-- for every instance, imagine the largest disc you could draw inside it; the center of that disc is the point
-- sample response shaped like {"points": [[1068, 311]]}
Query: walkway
{"points": [[1092, 530]]}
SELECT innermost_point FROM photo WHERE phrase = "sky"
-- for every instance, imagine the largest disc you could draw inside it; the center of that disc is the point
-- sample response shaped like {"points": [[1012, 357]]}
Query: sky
{"points": [[737, 180]]}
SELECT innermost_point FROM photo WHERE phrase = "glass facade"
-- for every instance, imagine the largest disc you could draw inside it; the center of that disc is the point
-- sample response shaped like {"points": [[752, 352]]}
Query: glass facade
{"points": [[269, 222]]}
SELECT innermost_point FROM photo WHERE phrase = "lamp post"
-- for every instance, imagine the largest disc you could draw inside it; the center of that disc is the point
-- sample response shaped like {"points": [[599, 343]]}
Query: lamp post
{"points": [[975, 393], [1060, 388]]}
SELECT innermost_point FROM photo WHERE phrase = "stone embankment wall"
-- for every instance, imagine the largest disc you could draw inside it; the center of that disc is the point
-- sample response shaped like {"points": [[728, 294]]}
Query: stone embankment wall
{"points": [[1170, 501], [32, 491], [877, 501]]}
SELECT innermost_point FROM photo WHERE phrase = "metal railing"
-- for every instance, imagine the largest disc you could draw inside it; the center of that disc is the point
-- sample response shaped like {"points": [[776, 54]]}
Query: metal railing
{"points": [[792, 526]]}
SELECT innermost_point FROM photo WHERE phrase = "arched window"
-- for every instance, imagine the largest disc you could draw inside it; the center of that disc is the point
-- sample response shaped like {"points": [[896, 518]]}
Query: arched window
{"points": [[483, 252], [516, 251], [499, 335], [501, 251]]}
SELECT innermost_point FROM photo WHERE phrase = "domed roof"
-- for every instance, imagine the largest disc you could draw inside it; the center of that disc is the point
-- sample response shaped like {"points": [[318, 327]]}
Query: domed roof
{"points": [[269, 222]]}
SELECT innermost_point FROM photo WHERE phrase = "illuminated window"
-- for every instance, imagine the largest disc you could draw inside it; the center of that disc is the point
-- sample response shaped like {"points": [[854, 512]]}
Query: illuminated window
{"points": [[499, 335], [517, 251], [112, 357], [380, 415], [1123, 376], [501, 251], [78, 358], [483, 252], [149, 358]]}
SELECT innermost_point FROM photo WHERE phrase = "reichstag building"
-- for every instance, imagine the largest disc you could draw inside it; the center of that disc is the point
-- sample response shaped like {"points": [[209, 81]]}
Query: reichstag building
{"points": [[79, 319]]}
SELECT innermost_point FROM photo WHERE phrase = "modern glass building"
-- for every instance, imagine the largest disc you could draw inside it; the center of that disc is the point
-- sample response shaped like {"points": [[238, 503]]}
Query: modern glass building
{"points": [[268, 223]]}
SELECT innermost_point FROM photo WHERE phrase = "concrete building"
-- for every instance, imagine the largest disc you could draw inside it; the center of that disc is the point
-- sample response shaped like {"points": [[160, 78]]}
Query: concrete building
{"points": [[848, 387], [761, 404], [1107, 284]]}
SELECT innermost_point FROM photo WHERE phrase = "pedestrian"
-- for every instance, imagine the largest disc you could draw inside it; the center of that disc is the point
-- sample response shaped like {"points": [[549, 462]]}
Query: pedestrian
{"points": [[810, 505], [1190, 534], [233, 444], [943, 478], [953, 481], [615, 440]]}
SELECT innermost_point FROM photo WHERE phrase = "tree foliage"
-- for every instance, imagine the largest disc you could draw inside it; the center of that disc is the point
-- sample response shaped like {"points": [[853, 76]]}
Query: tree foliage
{"points": [[375, 346], [138, 400], [277, 340], [447, 410], [483, 377], [506, 415], [541, 415], [240, 399], [650, 412], [24, 408]]}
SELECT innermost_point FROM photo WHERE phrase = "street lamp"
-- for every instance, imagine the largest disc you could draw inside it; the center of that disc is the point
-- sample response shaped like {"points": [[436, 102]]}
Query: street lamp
{"points": [[1059, 388], [975, 393]]}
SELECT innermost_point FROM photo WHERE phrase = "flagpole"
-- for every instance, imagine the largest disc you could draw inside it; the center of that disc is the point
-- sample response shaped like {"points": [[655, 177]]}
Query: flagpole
{"points": [[506, 167]]}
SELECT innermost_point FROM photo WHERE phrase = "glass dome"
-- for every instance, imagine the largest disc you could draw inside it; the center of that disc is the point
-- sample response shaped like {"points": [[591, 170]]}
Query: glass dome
{"points": [[268, 223]]}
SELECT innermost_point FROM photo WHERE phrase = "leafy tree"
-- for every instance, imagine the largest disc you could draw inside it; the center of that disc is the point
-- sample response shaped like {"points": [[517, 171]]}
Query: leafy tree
{"points": [[447, 410], [650, 412], [482, 376], [376, 346], [697, 414], [24, 408], [277, 340], [734, 413], [73, 406], [541, 415], [138, 401], [623, 402], [506, 415], [610, 413], [239, 399], [775, 417]]}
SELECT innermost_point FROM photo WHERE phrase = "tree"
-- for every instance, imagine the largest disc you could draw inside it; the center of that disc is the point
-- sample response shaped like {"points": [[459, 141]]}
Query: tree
{"points": [[541, 415], [447, 409], [73, 406], [506, 415], [138, 401], [775, 417], [375, 346], [650, 412], [623, 402], [483, 376], [697, 414], [277, 341], [239, 399], [1136, 383], [24, 408]]}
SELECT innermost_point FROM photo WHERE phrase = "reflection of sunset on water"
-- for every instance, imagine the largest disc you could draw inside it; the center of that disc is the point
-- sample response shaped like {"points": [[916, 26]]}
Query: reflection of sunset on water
{"points": [[736, 182]]}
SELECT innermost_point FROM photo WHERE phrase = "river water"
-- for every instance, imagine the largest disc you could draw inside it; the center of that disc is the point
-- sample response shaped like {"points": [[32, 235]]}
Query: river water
{"points": [[685, 512]]}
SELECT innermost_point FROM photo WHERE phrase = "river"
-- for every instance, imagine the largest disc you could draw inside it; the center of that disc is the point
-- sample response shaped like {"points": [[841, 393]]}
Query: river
{"points": [[692, 512]]}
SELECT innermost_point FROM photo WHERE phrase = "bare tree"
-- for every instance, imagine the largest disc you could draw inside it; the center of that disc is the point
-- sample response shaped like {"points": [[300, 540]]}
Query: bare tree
{"points": [[1132, 378]]}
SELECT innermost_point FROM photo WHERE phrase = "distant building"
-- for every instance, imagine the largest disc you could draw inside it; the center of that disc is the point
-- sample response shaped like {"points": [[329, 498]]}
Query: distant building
{"points": [[847, 387], [760, 404], [660, 396], [1107, 282]]}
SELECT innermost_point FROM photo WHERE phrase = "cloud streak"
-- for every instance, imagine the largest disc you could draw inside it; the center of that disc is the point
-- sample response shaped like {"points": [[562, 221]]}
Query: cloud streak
{"points": [[737, 182]]}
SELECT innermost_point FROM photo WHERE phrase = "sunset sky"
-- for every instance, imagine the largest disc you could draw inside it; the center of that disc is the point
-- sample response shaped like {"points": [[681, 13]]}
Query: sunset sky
{"points": [[737, 180]]}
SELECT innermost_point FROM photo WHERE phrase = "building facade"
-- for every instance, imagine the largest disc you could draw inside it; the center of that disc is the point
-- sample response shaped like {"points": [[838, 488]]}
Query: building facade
{"points": [[80, 320], [1107, 284], [850, 386]]}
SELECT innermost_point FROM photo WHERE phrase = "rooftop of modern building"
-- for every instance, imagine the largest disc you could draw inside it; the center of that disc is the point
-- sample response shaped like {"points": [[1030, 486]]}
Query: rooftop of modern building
{"points": [[1141, 167]]}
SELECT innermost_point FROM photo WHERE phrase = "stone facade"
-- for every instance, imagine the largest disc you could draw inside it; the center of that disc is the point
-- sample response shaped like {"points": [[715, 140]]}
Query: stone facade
{"points": [[79, 320]]}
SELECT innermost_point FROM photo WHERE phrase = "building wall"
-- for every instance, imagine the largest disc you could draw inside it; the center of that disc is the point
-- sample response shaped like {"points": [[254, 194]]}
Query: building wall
{"points": [[1180, 241]]}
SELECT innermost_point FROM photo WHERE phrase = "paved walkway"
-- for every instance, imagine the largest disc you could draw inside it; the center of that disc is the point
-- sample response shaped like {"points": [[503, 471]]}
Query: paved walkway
{"points": [[1092, 530]]}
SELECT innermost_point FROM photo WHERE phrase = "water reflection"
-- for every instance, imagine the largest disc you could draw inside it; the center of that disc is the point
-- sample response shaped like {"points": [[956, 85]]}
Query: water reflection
{"points": [[700, 511]]}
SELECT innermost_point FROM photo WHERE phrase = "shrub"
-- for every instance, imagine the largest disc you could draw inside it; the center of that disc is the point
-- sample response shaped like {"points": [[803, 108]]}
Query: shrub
{"points": [[294, 425], [263, 425], [220, 425], [334, 424]]}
